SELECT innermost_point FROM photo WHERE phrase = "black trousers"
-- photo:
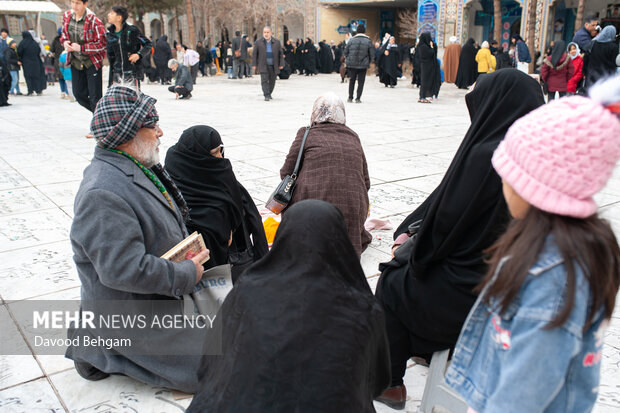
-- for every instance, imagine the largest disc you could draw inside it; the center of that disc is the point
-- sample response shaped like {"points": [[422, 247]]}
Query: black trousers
{"points": [[181, 90], [193, 70], [268, 81], [551, 95], [164, 72], [87, 86], [360, 75]]}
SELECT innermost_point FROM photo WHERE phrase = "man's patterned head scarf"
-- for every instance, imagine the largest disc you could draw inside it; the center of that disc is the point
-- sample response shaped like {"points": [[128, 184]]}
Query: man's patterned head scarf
{"points": [[119, 115]]}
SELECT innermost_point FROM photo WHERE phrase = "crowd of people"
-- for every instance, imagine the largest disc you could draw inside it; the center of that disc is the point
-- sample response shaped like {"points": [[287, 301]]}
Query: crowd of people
{"points": [[564, 69], [504, 262]]}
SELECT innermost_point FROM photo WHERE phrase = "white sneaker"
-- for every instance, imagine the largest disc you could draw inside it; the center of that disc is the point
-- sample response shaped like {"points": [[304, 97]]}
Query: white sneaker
{"points": [[63, 95]]}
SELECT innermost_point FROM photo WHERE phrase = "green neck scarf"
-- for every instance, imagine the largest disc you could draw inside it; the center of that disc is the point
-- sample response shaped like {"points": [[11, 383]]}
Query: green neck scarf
{"points": [[153, 178]]}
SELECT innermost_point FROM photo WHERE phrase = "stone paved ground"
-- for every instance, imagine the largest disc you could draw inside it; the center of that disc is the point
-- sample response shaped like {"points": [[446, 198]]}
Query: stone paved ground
{"points": [[43, 152]]}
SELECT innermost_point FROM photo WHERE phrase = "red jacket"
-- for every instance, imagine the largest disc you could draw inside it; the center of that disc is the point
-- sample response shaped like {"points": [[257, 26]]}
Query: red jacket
{"points": [[94, 36], [557, 79], [577, 75]]}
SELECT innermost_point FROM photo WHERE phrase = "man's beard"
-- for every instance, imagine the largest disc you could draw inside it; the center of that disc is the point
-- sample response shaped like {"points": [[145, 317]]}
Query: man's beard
{"points": [[146, 152]]}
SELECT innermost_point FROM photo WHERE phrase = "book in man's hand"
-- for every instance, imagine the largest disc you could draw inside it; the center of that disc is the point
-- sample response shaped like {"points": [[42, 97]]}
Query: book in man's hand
{"points": [[187, 249]]}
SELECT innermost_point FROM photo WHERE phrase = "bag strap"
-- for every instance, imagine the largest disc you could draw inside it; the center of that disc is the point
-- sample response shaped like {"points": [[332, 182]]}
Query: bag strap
{"points": [[301, 154]]}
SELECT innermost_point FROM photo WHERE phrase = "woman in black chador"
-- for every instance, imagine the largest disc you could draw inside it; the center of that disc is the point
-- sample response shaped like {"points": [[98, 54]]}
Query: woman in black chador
{"points": [[299, 56], [310, 58], [219, 206], [301, 331], [326, 58], [390, 62], [429, 68], [29, 53], [468, 68], [427, 290]]}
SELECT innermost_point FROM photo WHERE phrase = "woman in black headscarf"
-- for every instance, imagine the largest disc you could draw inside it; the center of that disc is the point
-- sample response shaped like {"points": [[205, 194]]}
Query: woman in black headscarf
{"points": [[161, 55], [390, 63], [427, 289], [326, 58], [600, 60], [301, 330], [220, 207], [310, 58], [5, 83], [299, 56], [29, 53], [468, 68], [429, 68]]}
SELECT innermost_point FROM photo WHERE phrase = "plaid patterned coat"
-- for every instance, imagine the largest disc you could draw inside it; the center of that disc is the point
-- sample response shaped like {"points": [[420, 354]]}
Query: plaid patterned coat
{"points": [[94, 36], [334, 170]]}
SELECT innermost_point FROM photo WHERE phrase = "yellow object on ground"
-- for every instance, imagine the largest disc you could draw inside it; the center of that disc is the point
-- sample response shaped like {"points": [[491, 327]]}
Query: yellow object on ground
{"points": [[271, 226]]}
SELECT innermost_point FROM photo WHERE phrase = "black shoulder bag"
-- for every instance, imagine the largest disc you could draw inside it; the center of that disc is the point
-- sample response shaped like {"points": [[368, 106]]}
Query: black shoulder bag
{"points": [[281, 197]]}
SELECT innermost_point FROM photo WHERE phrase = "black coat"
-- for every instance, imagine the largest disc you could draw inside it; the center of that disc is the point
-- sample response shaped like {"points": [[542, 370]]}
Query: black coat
{"points": [[429, 67], [162, 52], [10, 55], [119, 50], [289, 55], [359, 52], [337, 55], [310, 58], [390, 70], [600, 62], [29, 54], [503, 61], [431, 290], [5, 83], [239, 43], [325, 57], [301, 331], [259, 55], [468, 68]]}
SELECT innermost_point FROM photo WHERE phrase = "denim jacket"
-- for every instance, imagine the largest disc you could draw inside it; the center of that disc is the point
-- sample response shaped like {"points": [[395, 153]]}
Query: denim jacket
{"points": [[510, 363]]}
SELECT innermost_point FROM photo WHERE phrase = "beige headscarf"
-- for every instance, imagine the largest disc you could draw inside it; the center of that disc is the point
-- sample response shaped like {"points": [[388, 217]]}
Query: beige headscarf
{"points": [[328, 108]]}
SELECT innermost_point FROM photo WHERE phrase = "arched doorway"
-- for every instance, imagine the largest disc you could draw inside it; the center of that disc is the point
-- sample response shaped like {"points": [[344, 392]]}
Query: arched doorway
{"points": [[156, 29], [293, 24], [285, 33]]}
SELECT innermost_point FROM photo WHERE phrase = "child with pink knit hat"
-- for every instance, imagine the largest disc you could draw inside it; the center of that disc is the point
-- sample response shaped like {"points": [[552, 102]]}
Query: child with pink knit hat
{"points": [[533, 340]]}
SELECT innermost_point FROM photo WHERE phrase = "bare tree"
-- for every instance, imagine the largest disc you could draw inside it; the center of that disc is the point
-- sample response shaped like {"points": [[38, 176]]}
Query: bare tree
{"points": [[189, 14], [497, 20], [579, 18], [407, 21], [531, 31]]}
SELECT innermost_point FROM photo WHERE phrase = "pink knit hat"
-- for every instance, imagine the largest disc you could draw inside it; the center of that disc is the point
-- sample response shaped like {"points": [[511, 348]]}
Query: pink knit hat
{"points": [[559, 155]]}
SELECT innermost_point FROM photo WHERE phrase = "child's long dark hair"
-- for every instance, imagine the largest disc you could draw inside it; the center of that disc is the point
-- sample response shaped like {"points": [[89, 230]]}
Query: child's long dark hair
{"points": [[589, 243]]}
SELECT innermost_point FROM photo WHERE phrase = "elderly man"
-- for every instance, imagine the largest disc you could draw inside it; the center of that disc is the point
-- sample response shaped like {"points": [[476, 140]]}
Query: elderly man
{"points": [[584, 36], [184, 84], [269, 58], [128, 213]]}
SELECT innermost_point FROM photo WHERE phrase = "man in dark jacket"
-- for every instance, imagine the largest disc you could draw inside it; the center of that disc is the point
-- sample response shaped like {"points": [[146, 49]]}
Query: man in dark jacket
{"points": [[184, 83], [584, 36], [358, 52], [202, 53], [268, 56], [240, 53], [126, 47]]}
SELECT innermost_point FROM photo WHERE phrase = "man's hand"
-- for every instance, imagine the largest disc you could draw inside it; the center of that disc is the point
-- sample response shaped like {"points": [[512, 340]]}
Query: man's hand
{"points": [[19, 63], [280, 67], [67, 45], [254, 68], [197, 263], [133, 58], [75, 47]]}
